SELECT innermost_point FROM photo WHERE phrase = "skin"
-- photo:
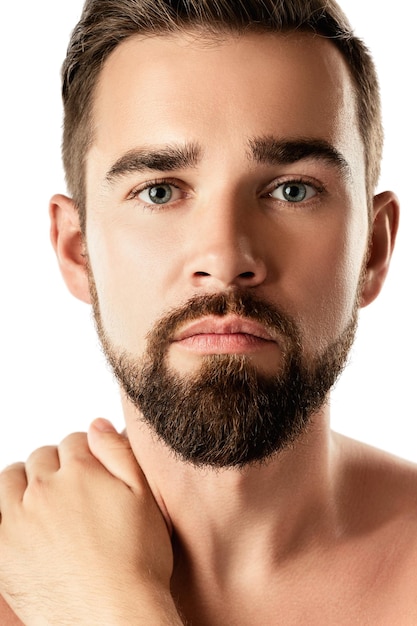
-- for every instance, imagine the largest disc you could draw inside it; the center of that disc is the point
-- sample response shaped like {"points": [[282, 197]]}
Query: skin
{"points": [[263, 545]]}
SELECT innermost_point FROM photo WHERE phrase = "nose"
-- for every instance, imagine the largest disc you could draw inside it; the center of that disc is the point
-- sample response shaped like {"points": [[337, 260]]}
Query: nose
{"points": [[227, 250]]}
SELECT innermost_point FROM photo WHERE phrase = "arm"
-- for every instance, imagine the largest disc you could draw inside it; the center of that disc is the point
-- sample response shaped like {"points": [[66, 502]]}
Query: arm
{"points": [[82, 540]]}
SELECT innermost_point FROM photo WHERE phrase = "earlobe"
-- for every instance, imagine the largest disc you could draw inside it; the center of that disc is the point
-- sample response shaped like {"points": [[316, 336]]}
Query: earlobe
{"points": [[69, 246], [382, 240]]}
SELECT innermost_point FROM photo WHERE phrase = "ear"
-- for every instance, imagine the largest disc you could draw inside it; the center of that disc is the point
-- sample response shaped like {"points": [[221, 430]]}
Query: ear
{"points": [[69, 246], [384, 230]]}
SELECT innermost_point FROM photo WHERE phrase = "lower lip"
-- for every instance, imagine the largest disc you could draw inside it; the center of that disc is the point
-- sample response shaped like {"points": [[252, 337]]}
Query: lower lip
{"points": [[232, 343]]}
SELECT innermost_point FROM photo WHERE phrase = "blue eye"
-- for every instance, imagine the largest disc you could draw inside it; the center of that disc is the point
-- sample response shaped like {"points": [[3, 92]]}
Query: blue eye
{"points": [[293, 191], [157, 194]]}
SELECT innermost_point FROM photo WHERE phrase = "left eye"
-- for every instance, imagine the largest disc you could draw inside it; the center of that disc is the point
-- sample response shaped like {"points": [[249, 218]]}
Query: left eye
{"points": [[159, 194], [293, 191]]}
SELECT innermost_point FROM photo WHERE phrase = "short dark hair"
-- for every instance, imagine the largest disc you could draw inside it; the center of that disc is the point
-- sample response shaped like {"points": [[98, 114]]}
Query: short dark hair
{"points": [[106, 23]]}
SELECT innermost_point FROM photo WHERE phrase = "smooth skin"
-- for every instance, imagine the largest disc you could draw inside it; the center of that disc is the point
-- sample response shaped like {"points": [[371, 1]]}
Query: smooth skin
{"points": [[323, 533]]}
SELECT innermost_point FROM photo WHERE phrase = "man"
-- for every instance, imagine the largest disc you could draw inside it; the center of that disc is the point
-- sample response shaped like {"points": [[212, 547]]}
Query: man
{"points": [[222, 160]]}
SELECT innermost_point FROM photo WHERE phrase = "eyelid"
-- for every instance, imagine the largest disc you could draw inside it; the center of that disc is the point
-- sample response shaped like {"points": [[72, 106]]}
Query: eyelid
{"points": [[288, 180], [152, 183], [314, 183]]}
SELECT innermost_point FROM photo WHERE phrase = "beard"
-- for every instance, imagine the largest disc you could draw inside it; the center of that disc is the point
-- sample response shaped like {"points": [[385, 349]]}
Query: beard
{"points": [[228, 413]]}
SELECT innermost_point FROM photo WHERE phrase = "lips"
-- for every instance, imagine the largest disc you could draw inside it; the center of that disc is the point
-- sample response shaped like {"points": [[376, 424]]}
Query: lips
{"points": [[229, 325]]}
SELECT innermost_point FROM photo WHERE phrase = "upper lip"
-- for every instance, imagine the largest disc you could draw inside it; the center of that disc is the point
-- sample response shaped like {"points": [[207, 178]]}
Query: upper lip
{"points": [[224, 326]]}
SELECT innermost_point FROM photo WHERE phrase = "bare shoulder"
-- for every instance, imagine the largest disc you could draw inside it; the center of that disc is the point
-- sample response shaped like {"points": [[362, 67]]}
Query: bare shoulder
{"points": [[377, 497], [7, 616], [380, 490], [379, 476]]}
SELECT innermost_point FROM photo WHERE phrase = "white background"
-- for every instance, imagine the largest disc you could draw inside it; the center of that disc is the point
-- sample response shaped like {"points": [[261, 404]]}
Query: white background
{"points": [[53, 377]]}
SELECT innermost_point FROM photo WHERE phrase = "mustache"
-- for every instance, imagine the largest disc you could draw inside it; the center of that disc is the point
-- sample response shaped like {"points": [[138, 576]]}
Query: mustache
{"points": [[238, 302]]}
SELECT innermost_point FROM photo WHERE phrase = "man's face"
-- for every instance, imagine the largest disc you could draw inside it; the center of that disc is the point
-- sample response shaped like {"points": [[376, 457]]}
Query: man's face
{"points": [[232, 167]]}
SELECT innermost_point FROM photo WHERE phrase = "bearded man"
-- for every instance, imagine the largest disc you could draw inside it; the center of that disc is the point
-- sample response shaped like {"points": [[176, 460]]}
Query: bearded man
{"points": [[222, 159]]}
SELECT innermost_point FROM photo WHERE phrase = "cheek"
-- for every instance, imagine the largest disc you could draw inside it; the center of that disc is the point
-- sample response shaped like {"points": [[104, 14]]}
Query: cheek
{"points": [[128, 268], [329, 279]]}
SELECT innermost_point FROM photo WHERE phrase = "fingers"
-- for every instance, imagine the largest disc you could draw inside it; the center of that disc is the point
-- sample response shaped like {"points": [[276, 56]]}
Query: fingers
{"points": [[102, 447], [42, 462], [74, 448], [13, 483], [14, 480], [114, 452]]}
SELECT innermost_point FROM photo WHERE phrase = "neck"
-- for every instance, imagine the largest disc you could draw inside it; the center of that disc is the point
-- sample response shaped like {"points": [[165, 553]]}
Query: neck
{"points": [[272, 510]]}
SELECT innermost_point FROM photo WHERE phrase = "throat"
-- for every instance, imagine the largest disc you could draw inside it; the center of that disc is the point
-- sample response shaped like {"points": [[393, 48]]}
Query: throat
{"points": [[224, 520], [251, 520]]}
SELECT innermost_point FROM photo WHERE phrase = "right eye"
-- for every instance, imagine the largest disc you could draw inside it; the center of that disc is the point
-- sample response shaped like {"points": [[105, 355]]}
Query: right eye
{"points": [[159, 193]]}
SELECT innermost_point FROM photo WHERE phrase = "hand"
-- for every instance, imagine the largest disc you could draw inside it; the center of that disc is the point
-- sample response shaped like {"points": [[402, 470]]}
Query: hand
{"points": [[82, 540]]}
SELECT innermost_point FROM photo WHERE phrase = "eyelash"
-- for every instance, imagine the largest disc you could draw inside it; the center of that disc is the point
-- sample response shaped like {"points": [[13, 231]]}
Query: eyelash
{"points": [[314, 184], [318, 188], [152, 183]]}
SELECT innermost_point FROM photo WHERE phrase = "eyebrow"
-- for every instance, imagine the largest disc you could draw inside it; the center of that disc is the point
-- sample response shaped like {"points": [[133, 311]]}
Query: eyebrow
{"points": [[266, 150], [272, 151], [163, 159]]}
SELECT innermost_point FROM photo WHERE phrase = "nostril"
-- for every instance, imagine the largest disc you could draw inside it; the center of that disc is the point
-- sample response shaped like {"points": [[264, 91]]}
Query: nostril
{"points": [[247, 274]]}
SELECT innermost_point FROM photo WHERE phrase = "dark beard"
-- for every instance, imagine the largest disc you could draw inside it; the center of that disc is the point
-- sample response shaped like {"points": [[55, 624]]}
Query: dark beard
{"points": [[228, 414]]}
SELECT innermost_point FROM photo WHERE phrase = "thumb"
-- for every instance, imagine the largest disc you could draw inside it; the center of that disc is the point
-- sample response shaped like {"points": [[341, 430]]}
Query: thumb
{"points": [[113, 450]]}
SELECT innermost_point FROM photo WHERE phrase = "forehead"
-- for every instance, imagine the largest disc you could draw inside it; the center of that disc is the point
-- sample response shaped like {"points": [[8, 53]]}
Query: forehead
{"points": [[221, 92]]}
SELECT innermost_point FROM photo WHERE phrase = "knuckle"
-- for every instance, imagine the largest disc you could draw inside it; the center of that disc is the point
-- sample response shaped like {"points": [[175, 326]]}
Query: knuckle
{"points": [[74, 444], [41, 453], [10, 473], [74, 448], [74, 440], [13, 467]]}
